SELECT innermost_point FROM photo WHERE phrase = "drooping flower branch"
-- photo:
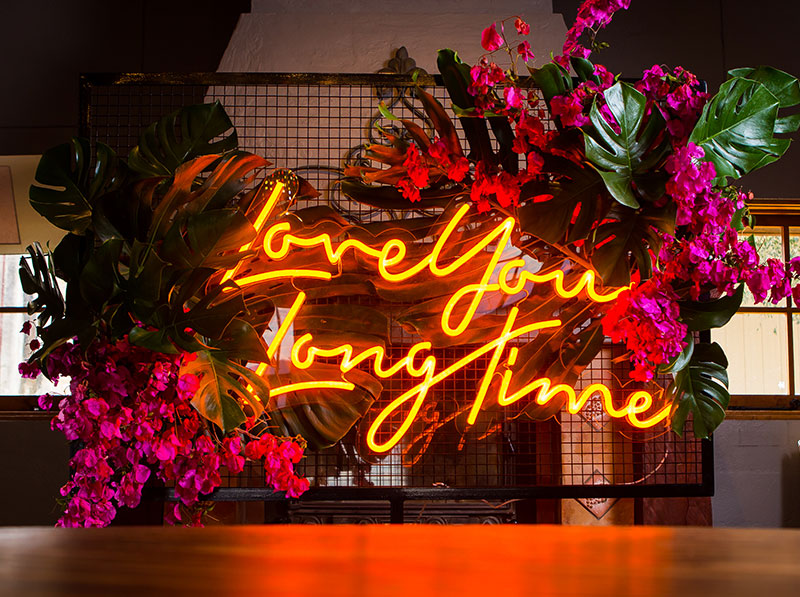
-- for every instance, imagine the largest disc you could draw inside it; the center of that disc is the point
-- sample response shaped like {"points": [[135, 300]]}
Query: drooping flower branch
{"points": [[129, 410]]}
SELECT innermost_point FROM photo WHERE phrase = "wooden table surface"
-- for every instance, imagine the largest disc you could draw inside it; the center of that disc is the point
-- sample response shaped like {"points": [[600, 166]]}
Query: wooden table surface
{"points": [[380, 561]]}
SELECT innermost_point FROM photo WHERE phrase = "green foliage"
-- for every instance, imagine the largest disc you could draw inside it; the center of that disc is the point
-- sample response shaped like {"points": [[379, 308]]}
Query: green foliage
{"points": [[220, 394], [623, 158], [457, 79], [142, 256], [552, 80], [37, 276], [706, 315], [573, 186], [738, 126], [161, 149], [67, 185], [625, 239], [701, 388]]}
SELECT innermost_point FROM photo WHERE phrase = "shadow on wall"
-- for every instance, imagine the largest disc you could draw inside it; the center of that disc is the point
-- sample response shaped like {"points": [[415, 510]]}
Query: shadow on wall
{"points": [[790, 487]]}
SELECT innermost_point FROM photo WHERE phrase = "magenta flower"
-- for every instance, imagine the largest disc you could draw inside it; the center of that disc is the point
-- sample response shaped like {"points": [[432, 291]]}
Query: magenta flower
{"points": [[513, 97], [491, 40], [524, 50]]}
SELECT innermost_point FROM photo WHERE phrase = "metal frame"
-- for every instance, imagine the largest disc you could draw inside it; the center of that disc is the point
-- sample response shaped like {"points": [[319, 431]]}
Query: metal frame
{"points": [[396, 496]]}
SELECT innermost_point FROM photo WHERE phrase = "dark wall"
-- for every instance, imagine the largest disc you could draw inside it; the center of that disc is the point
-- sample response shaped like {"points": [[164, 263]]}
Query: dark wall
{"points": [[708, 37], [46, 45]]}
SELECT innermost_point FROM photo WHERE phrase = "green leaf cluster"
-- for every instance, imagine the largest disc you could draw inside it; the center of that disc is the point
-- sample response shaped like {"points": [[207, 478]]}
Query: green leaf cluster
{"points": [[147, 241]]}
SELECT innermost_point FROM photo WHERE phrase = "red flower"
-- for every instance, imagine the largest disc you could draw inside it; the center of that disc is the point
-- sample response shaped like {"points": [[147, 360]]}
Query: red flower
{"points": [[458, 169], [408, 189], [522, 27]]}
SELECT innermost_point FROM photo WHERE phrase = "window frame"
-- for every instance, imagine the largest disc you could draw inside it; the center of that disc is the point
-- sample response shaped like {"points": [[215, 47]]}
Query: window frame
{"points": [[785, 215]]}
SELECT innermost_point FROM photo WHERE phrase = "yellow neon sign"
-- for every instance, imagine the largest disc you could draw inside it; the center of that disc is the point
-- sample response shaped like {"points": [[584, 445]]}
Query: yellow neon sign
{"points": [[511, 278]]}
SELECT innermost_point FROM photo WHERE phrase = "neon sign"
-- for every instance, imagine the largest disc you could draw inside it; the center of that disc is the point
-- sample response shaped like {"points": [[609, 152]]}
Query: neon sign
{"points": [[390, 260]]}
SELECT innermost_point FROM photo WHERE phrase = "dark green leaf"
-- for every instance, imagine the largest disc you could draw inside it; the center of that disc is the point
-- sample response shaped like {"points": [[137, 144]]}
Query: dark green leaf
{"points": [[209, 239], [100, 278], [178, 137], [572, 186], [701, 389], [223, 388], [240, 340], [636, 149], [551, 80], [737, 127], [66, 185], [783, 86], [705, 315], [155, 340], [457, 79], [37, 277], [679, 361], [584, 69], [626, 240]]}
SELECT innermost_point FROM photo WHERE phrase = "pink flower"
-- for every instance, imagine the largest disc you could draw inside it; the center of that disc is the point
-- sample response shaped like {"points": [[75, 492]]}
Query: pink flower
{"points": [[187, 385], [490, 39], [29, 370], [513, 97], [524, 50], [291, 451], [298, 486], [569, 109], [522, 27]]}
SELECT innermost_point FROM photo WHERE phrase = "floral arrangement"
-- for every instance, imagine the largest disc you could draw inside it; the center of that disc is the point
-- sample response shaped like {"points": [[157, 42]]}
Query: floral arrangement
{"points": [[152, 340], [633, 183]]}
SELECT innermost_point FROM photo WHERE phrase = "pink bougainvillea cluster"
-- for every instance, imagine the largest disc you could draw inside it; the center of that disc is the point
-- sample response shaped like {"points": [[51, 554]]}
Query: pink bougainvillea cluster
{"points": [[707, 253], [129, 413]]}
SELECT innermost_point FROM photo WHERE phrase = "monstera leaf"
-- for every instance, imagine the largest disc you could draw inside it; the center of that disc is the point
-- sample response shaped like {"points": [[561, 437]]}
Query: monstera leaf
{"points": [[208, 239], [573, 187], [38, 278], [67, 183], [627, 239], [701, 388], [620, 157], [322, 416], [161, 149], [223, 388], [705, 315], [737, 127]]}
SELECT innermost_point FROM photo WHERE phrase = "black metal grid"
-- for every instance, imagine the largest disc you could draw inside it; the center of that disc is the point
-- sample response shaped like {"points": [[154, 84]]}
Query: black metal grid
{"points": [[313, 123]]}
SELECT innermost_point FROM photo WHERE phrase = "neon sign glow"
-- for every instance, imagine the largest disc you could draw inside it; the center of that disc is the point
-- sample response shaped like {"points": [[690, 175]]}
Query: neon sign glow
{"points": [[390, 262]]}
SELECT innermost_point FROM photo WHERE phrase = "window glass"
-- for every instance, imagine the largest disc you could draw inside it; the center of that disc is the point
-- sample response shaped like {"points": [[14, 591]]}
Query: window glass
{"points": [[757, 347], [769, 244], [14, 345]]}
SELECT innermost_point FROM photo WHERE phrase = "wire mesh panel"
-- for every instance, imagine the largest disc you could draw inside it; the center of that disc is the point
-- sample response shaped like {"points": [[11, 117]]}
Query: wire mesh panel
{"points": [[315, 124]]}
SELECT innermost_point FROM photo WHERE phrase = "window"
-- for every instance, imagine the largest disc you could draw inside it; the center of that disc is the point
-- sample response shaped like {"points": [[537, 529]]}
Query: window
{"points": [[763, 342], [17, 393]]}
